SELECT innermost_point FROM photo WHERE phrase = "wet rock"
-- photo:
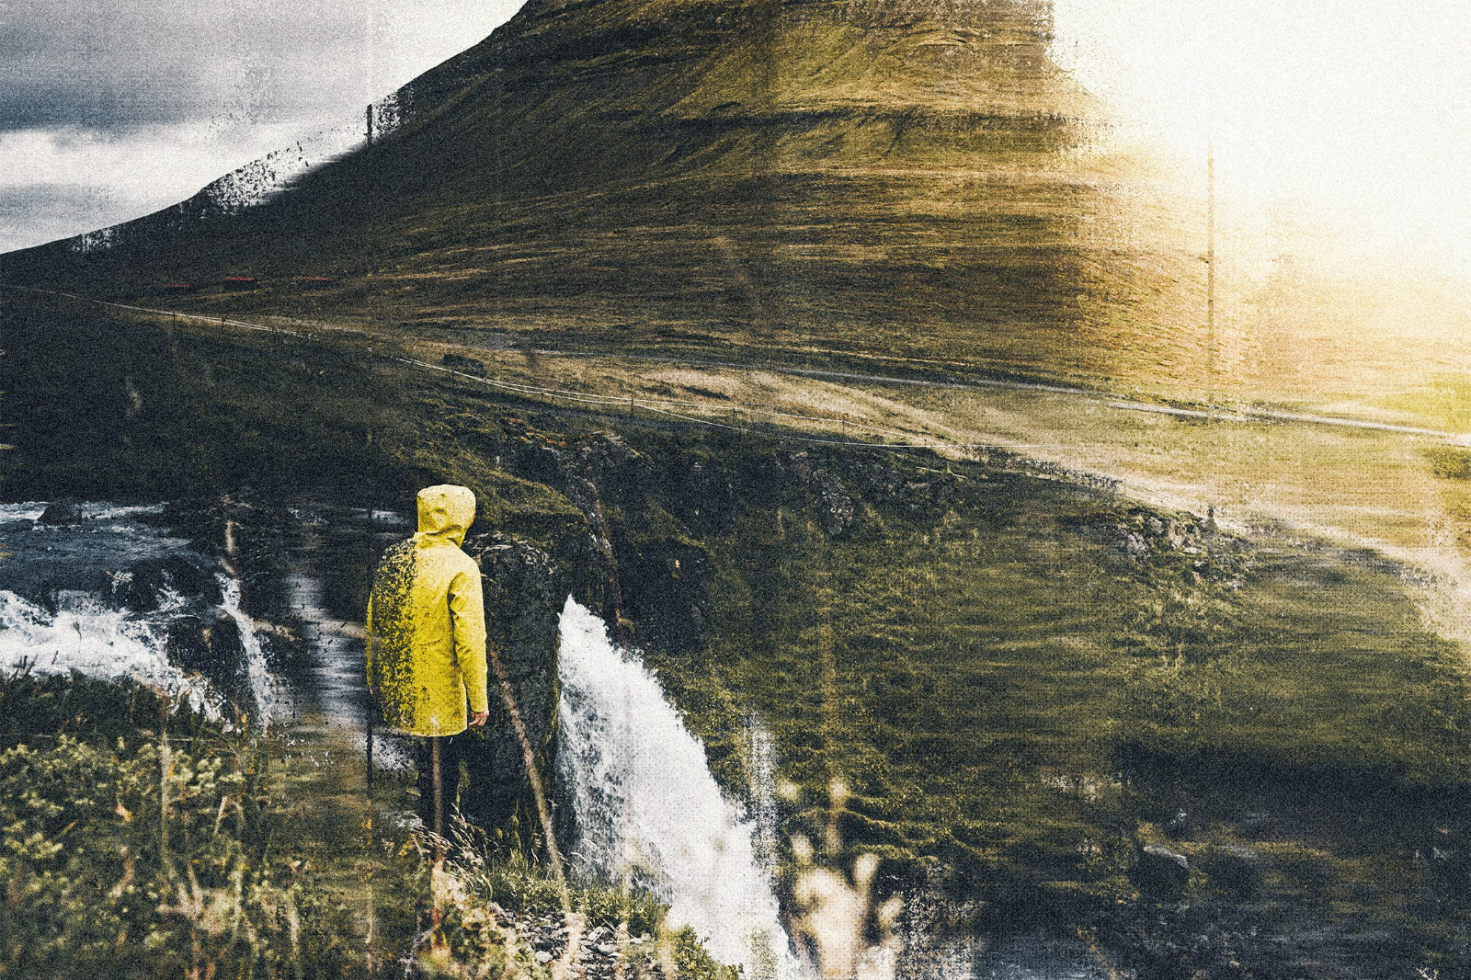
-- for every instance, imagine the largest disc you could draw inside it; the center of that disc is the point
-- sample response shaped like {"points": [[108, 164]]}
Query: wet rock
{"points": [[1236, 870], [211, 647], [616, 475], [187, 644], [141, 589], [665, 590], [1159, 872], [62, 512], [525, 589]]}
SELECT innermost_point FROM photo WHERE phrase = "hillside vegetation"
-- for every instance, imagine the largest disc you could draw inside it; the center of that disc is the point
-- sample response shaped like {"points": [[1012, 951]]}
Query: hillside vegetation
{"points": [[1002, 683], [817, 180]]}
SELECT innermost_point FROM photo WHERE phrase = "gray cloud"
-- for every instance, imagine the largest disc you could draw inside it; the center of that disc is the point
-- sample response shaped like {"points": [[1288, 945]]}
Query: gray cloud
{"points": [[114, 64], [33, 214], [113, 108]]}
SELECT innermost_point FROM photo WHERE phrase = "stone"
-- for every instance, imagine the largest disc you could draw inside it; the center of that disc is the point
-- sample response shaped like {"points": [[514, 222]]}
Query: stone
{"points": [[1237, 870], [525, 589], [1177, 535], [836, 508], [1159, 872], [61, 512], [141, 588]]}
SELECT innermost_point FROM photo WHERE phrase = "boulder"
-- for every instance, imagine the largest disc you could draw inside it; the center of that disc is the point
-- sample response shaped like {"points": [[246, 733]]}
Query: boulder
{"points": [[187, 644], [1159, 872], [141, 588], [525, 589], [61, 512], [213, 649]]}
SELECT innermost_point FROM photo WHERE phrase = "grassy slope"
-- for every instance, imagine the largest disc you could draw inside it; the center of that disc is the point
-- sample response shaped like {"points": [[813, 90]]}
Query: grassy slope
{"points": [[839, 180], [1000, 685], [983, 689]]}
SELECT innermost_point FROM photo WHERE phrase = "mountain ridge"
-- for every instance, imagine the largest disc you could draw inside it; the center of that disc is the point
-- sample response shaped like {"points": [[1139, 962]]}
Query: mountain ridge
{"points": [[829, 176]]}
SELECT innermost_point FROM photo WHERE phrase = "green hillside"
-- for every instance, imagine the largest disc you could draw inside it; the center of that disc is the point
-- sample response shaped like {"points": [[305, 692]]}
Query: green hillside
{"points": [[820, 179]]}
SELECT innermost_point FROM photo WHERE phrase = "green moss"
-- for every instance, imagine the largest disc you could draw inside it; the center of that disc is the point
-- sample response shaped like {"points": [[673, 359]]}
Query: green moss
{"points": [[1002, 686]]}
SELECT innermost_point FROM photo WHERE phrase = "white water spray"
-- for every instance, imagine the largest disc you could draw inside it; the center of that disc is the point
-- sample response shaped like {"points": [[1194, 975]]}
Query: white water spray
{"points": [[648, 807], [86, 636], [262, 686]]}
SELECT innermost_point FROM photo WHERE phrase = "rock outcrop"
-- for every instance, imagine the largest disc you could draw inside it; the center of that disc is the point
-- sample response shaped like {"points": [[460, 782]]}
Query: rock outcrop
{"points": [[525, 590]]}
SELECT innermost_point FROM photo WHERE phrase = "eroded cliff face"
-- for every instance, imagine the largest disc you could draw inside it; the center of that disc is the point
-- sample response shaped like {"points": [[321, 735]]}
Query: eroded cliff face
{"points": [[525, 590]]}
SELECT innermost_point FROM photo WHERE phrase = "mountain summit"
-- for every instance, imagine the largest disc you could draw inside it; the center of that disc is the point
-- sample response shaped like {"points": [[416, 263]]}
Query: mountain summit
{"points": [[845, 177]]}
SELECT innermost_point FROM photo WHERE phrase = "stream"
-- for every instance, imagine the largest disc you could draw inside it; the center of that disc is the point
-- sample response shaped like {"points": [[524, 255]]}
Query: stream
{"points": [[108, 590]]}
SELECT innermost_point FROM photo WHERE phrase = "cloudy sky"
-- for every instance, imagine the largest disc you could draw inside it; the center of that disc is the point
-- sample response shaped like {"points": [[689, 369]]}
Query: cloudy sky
{"points": [[110, 109], [113, 108]]}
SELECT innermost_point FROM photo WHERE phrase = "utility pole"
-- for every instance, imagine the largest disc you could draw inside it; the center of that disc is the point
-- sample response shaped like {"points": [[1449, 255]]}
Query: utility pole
{"points": [[1210, 324], [1210, 276], [373, 193]]}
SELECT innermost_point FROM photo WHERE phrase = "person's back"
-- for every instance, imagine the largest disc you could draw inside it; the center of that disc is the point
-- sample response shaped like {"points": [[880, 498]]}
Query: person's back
{"points": [[426, 639]]}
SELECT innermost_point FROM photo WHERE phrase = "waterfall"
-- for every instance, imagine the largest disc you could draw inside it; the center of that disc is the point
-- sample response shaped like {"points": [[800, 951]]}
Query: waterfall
{"points": [[84, 635], [262, 685], [648, 809]]}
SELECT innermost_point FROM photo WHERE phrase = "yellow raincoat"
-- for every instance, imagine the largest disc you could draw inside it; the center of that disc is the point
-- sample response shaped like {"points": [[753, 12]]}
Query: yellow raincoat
{"points": [[426, 622]]}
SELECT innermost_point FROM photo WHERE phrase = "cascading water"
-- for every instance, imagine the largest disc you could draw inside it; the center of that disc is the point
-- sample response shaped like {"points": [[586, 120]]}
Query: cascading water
{"points": [[269, 704], [82, 634], [100, 594], [647, 806]]}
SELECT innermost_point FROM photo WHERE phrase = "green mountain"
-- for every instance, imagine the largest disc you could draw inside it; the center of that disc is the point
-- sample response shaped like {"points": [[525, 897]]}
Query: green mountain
{"points": [[840, 179]]}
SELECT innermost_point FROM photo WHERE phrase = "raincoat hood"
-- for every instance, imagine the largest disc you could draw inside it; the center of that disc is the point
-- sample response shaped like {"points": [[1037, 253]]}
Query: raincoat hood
{"points": [[445, 513]]}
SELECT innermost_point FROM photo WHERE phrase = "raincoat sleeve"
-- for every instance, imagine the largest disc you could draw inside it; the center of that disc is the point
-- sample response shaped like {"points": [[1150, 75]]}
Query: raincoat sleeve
{"points": [[368, 644], [467, 611]]}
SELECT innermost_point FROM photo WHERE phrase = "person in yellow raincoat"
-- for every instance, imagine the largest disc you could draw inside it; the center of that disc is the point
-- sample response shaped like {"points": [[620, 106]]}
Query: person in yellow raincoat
{"points": [[426, 644]]}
